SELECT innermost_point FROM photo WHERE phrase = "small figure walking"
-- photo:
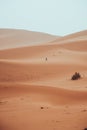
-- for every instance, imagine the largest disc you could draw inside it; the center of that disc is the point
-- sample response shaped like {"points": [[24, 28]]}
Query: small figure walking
{"points": [[46, 59]]}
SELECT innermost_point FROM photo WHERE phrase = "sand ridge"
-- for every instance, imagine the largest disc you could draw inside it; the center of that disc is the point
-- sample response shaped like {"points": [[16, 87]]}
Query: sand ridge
{"points": [[14, 38]]}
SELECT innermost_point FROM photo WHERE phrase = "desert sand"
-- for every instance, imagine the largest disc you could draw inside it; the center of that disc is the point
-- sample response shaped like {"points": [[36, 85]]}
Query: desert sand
{"points": [[36, 90]]}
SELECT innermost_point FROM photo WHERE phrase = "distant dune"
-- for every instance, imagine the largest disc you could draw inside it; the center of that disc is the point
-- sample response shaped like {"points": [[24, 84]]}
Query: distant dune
{"points": [[73, 37], [11, 38], [36, 90]]}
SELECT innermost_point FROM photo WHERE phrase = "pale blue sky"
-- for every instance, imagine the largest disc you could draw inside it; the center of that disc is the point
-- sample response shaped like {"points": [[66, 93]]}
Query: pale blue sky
{"points": [[58, 17]]}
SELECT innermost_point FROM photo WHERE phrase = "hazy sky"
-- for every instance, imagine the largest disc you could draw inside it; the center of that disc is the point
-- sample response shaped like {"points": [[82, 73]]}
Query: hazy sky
{"points": [[58, 17]]}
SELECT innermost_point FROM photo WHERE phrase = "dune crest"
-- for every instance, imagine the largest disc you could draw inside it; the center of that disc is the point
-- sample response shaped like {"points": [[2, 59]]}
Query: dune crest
{"points": [[13, 38]]}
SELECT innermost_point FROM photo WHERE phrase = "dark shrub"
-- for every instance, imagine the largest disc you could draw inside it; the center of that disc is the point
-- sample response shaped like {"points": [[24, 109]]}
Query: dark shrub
{"points": [[76, 76], [85, 128], [42, 107]]}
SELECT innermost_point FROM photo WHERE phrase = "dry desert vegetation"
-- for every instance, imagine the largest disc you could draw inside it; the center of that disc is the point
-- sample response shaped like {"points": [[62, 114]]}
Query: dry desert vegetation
{"points": [[36, 87]]}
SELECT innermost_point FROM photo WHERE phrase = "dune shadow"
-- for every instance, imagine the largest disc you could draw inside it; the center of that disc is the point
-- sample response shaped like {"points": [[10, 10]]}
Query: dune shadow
{"points": [[4, 126]]}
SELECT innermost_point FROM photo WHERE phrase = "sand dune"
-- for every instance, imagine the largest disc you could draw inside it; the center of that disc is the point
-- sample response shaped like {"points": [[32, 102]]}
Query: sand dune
{"points": [[49, 94], [64, 51], [36, 90], [79, 36], [20, 72], [71, 43], [11, 38], [77, 41]]}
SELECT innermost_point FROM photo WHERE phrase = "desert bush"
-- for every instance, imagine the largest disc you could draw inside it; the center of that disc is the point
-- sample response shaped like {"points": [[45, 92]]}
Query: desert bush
{"points": [[42, 107], [85, 128], [76, 76]]}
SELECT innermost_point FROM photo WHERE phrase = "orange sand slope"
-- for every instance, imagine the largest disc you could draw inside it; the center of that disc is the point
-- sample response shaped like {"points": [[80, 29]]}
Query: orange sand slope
{"points": [[36, 90]]}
